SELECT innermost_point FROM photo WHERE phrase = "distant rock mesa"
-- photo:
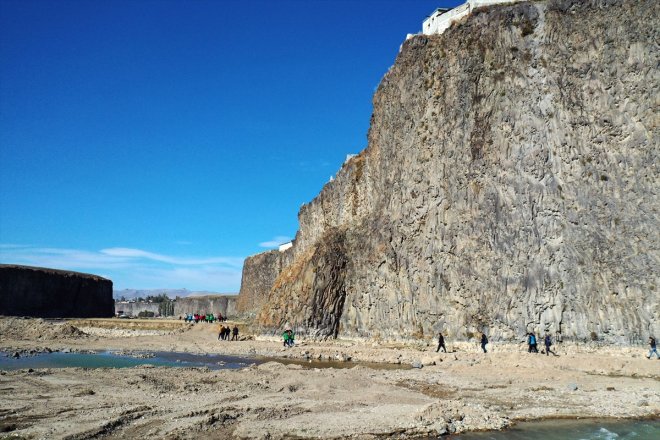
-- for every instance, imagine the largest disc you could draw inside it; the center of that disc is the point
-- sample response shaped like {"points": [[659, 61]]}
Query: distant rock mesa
{"points": [[510, 184], [49, 293]]}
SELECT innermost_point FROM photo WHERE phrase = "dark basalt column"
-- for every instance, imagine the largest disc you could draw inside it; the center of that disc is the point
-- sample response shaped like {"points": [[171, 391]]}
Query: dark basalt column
{"points": [[49, 293]]}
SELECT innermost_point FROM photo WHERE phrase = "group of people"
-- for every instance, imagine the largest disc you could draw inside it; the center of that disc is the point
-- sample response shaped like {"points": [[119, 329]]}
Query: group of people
{"points": [[226, 333], [288, 338], [441, 342], [532, 344], [197, 317]]}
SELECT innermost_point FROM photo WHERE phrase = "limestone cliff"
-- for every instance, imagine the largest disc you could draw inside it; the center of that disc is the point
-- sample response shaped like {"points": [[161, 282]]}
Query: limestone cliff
{"points": [[50, 293], [509, 184]]}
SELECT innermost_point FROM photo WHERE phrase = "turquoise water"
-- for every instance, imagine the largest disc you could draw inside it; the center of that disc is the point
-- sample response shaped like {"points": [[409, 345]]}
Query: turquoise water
{"points": [[112, 360], [108, 359], [573, 430]]}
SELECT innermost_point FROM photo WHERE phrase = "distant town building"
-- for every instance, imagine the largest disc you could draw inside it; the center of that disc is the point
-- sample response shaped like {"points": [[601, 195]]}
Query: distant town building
{"points": [[442, 18], [285, 246]]}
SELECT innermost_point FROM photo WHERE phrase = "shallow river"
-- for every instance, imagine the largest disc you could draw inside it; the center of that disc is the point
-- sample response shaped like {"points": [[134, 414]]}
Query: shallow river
{"points": [[109, 359], [573, 430]]}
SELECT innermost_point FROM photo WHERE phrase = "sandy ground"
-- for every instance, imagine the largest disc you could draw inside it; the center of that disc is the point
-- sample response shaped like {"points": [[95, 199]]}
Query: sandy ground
{"points": [[454, 392]]}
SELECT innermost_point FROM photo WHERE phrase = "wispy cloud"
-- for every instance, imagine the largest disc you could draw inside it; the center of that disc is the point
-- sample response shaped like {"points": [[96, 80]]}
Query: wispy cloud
{"points": [[275, 241], [59, 258], [140, 254], [135, 268]]}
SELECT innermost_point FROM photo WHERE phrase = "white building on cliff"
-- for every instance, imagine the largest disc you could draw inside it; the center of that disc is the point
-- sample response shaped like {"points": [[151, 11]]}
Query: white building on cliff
{"points": [[442, 18]]}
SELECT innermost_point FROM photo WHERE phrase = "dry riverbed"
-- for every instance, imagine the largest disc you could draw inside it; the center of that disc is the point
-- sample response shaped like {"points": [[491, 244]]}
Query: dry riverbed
{"points": [[455, 392]]}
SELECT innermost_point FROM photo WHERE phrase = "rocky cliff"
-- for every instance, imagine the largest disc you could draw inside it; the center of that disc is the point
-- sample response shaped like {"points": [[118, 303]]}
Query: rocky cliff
{"points": [[510, 184], [259, 274], [224, 305], [50, 293]]}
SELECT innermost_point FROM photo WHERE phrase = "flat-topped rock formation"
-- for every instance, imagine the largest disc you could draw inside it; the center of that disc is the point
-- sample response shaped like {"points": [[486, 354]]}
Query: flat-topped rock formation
{"points": [[50, 293], [510, 184]]}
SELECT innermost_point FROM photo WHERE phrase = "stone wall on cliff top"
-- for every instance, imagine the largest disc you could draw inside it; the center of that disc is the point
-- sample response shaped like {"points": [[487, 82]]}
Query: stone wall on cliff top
{"points": [[510, 184], [50, 293]]}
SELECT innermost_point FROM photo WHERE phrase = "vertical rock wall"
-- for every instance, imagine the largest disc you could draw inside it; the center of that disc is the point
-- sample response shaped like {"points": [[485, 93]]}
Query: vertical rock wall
{"points": [[134, 308], [50, 293], [510, 184], [216, 304], [259, 274]]}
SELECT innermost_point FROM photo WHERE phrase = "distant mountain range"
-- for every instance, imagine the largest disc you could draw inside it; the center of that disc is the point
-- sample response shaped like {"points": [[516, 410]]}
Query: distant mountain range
{"points": [[172, 293]]}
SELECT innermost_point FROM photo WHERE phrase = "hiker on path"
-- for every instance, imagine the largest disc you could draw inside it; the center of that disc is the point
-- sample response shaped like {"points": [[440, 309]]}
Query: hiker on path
{"points": [[234, 333], [441, 343], [548, 342], [654, 348], [531, 342], [484, 341]]}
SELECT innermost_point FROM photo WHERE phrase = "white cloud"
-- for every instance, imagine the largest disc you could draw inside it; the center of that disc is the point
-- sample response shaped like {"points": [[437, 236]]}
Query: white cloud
{"points": [[135, 268], [58, 258], [275, 242], [140, 254]]}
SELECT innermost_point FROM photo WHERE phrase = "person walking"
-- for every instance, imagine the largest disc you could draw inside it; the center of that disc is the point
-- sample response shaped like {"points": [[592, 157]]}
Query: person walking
{"points": [[533, 348], [547, 340], [654, 348], [235, 333], [484, 341], [441, 343]]}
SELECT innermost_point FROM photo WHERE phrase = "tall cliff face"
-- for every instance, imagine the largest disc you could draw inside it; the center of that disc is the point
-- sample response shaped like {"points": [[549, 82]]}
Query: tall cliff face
{"points": [[50, 293], [509, 184]]}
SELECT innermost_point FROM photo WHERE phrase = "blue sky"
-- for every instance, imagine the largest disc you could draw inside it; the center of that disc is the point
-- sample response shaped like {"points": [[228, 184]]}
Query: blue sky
{"points": [[159, 143]]}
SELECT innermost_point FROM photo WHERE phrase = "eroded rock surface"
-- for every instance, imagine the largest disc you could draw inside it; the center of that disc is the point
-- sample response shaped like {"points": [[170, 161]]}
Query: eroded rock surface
{"points": [[510, 184]]}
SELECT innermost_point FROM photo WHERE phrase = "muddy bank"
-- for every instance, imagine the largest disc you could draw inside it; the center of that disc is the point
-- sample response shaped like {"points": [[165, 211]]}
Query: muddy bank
{"points": [[454, 392]]}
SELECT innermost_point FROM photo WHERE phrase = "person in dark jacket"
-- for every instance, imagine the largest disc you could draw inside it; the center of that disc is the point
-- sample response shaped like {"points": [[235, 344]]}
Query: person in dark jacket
{"points": [[235, 333], [654, 348], [441, 343], [547, 340], [484, 341]]}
